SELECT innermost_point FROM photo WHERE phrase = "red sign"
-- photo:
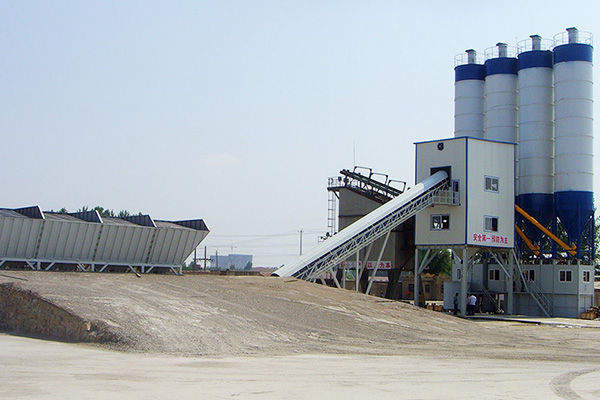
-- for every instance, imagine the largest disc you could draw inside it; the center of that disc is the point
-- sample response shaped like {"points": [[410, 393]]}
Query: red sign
{"points": [[382, 265], [370, 264], [489, 238]]}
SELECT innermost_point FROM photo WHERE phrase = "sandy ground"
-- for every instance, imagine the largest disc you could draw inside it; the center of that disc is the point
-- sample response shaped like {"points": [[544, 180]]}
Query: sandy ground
{"points": [[36, 369], [220, 337]]}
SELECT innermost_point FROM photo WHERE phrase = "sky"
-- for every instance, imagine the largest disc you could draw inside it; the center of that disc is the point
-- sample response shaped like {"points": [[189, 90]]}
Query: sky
{"points": [[236, 112]]}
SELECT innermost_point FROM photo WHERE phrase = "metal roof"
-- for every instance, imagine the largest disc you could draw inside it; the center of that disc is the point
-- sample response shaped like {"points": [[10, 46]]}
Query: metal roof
{"points": [[31, 235], [60, 217], [5, 212], [117, 221]]}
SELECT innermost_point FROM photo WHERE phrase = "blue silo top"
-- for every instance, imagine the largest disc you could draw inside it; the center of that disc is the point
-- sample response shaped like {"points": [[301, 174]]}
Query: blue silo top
{"points": [[573, 52], [535, 59], [469, 72], [501, 65]]}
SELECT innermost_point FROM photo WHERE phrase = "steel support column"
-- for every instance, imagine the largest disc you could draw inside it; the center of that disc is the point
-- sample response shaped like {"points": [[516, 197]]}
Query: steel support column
{"points": [[357, 271], [463, 282], [509, 307], [420, 267], [372, 277]]}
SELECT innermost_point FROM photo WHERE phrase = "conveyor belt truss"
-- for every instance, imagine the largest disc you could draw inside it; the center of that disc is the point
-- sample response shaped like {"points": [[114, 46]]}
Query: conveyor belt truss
{"points": [[366, 230]]}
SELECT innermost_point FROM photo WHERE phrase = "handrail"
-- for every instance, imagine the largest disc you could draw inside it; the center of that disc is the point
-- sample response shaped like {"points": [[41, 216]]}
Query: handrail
{"points": [[543, 301], [492, 299], [373, 184], [570, 249], [582, 37]]}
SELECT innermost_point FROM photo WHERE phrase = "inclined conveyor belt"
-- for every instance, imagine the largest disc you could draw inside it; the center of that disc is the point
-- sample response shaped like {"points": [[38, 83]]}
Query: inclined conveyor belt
{"points": [[372, 183], [366, 230]]}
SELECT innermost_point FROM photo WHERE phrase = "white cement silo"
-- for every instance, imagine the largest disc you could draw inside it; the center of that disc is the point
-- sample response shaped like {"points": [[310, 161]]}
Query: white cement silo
{"points": [[469, 77], [500, 94], [573, 87], [536, 129]]}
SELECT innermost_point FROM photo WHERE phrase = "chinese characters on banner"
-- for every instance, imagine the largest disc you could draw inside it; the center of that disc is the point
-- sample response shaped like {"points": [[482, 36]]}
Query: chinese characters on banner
{"points": [[489, 238], [370, 264], [382, 265]]}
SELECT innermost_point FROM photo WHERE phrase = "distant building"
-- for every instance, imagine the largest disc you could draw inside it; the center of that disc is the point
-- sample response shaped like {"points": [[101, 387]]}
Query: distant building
{"points": [[231, 261]]}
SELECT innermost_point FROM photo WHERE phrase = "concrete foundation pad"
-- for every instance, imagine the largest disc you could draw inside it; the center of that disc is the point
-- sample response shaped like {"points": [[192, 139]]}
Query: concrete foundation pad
{"points": [[559, 322]]}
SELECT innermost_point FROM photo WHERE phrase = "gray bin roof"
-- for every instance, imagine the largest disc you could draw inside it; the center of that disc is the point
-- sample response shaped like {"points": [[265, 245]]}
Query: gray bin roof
{"points": [[31, 234]]}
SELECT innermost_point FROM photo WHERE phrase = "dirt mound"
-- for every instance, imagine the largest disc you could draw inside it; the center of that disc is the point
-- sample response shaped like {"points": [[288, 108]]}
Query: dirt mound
{"points": [[221, 315], [24, 311]]}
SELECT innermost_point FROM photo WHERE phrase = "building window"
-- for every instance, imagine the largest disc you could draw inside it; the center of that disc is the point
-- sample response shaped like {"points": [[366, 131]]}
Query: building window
{"points": [[455, 192], [440, 222], [529, 275], [586, 276], [565, 276], [490, 224], [458, 274], [427, 288], [494, 274], [491, 184]]}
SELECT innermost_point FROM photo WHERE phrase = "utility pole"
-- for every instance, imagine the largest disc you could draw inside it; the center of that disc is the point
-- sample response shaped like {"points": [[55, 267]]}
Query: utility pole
{"points": [[217, 258], [196, 259], [195, 268], [300, 231]]}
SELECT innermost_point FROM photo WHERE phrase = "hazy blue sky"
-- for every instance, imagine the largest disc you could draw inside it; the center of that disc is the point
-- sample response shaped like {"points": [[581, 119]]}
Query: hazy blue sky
{"points": [[235, 111]]}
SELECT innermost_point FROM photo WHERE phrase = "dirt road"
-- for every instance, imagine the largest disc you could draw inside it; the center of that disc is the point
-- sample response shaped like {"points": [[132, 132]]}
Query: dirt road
{"points": [[36, 369]]}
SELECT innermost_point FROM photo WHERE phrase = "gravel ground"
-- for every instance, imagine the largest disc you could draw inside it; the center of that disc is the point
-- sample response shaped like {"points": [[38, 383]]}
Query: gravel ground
{"points": [[210, 315]]}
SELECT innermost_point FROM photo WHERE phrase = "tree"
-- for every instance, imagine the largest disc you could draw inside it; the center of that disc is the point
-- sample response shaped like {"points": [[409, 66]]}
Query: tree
{"points": [[441, 264], [248, 266], [123, 214], [106, 212], [191, 266]]}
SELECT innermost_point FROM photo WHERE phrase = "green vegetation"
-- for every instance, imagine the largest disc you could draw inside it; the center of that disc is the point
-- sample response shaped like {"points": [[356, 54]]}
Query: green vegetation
{"points": [[104, 212], [441, 264]]}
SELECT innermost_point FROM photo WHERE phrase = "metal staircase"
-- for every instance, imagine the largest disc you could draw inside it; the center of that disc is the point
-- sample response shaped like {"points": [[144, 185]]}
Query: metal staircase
{"points": [[491, 298], [542, 299], [332, 211]]}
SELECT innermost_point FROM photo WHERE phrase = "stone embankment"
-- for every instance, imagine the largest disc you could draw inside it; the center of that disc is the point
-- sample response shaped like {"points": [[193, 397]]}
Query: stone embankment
{"points": [[26, 312]]}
